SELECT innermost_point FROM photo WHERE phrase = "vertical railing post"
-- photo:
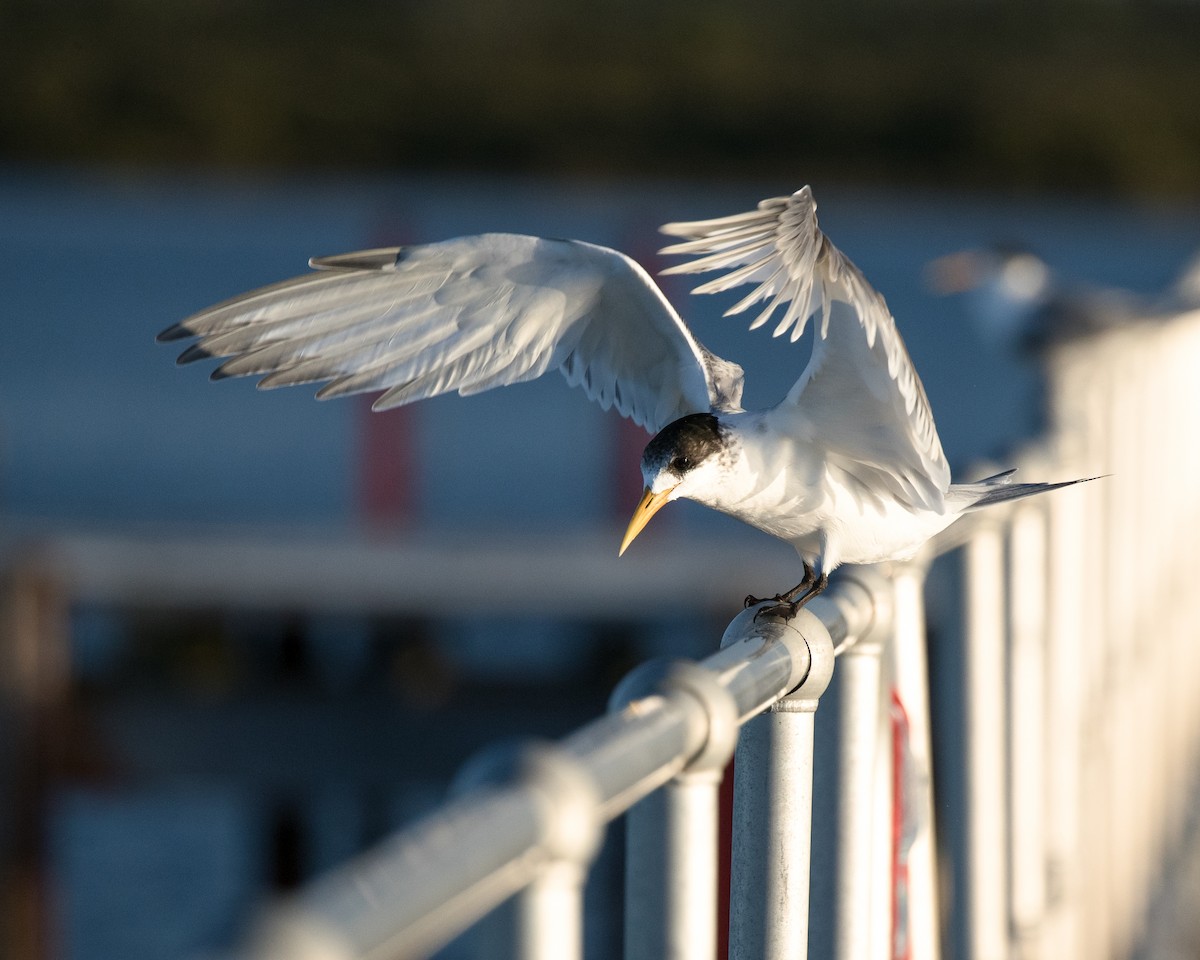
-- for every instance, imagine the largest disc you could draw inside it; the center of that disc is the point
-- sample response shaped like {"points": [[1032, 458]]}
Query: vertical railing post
{"points": [[1098, 709], [549, 913], [772, 815], [986, 750], [861, 724], [671, 836], [1067, 597], [1027, 569], [1122, 666], [917, 933], [549, 910]]}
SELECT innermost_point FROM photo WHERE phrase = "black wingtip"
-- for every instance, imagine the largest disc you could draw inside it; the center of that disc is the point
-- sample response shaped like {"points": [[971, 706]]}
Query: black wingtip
{"points": [[177, 331], [377, 259], [193, 353]]}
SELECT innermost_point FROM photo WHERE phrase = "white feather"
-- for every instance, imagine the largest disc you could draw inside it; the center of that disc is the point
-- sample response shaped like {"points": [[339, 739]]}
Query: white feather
{"points": [[860, 392], [468, 315], [848, 467]]}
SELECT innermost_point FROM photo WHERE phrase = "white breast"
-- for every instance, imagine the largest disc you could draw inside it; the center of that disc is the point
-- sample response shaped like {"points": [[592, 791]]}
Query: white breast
{"points": [[784, 487]]}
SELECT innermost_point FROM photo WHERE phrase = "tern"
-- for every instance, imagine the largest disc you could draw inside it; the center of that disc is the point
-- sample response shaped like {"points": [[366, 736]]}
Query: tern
{"points": [[1021, 304], [848, 467]]}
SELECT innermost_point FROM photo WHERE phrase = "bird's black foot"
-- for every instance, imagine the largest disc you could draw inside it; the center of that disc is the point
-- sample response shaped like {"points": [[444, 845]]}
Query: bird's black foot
{"points": [[779, 611], [805, 585], [785, 606]]}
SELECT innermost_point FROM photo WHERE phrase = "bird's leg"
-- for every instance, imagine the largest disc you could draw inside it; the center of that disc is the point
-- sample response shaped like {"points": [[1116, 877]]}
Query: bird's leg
{"points": [[805, 586], [787, 608], [810, 577]]}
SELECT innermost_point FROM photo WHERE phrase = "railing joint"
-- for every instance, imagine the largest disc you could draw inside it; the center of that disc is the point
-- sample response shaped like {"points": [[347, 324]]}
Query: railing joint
{"points": [[664, 678], [571, 828]]}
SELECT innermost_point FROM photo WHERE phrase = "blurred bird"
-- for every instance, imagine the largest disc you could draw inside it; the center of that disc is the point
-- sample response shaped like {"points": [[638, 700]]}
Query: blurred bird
{"points": [[848, 467], [1021, 304], [1184, 293]]}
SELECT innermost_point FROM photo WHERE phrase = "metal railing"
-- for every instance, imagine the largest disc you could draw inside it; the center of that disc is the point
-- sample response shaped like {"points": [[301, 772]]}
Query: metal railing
{"points": [[1080, 721], [1082, 640], [1081, 727], [530, 819]]}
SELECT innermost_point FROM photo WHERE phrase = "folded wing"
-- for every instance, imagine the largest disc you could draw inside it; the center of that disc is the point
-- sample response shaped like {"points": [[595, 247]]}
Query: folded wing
{"points": [[468, 315], [859, 393]]}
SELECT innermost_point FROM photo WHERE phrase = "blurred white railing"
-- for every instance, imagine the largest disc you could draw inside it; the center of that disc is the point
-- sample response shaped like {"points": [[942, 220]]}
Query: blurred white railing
{"points": [[1083, 656]]}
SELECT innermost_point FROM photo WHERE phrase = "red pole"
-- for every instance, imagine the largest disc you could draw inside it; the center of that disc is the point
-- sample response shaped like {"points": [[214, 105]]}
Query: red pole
{"points": [[901, 949], [387, 470], [387, 475]]}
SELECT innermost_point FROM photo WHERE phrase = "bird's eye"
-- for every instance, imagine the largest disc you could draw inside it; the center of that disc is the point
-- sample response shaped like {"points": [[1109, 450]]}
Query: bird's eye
{"points": [[681, 464]]}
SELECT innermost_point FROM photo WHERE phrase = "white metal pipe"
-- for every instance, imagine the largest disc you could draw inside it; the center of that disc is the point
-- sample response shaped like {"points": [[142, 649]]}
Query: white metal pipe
{"points": [[917, 910], [1094, 863], [1124, 662], [769, 887], [672, 857], [768, 916], [1027, 733], [1119, 643], [886, 935], [692, 870], [987, 872], [859, 720], [671, 870], [1068, 596], [550, 914], [419, 888], [412, 893]]}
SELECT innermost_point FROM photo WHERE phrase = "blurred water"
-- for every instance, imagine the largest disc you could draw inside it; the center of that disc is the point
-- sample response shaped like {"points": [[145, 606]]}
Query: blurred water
{"points": [[151, 873], [97, 425]]}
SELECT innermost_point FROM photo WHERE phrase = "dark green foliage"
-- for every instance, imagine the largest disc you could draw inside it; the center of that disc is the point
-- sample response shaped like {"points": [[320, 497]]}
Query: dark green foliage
{"points": [[1088, 96]]}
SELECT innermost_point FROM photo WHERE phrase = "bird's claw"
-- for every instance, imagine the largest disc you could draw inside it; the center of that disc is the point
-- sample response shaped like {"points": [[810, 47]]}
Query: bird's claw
{"points": [[785, 606], [753, 601], [779, 610]]}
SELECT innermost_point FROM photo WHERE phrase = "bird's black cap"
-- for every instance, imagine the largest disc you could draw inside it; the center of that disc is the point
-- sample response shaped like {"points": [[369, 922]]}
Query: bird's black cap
{"points": [[685, 442]]}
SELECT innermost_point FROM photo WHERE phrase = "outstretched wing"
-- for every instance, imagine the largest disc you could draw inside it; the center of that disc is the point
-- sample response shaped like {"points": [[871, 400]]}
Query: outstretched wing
{"points": [[468, 315], [860, 393]]}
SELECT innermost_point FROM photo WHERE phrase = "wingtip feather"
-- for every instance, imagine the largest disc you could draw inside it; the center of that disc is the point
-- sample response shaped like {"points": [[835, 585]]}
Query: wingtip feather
{"points": [[197, 351], [376, 259], [176, 331]]}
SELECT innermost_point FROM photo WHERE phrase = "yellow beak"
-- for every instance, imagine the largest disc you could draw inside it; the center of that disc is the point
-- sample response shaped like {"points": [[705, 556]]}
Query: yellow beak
{"points": [[649, 505]]}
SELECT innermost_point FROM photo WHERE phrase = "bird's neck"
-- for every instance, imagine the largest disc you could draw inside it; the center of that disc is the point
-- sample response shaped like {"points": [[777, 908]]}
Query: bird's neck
{"points": [[761, 473]]}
